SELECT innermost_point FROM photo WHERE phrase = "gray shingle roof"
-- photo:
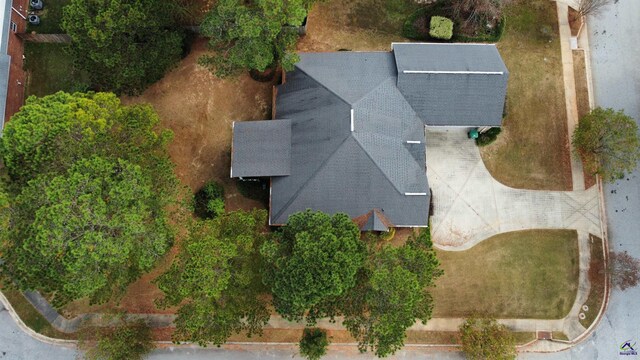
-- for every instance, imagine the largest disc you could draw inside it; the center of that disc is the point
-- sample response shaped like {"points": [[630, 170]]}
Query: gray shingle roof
{"points": [[334, 169], [453, 84], [261, 148], [357, 135]]}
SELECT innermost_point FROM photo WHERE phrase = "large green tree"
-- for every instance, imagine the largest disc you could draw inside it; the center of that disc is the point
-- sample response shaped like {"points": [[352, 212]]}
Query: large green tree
{"points": [[254, 34], [49, 134], [392, 293], [608, 142], [315, 258], [87, 233], [124, 45], [90, 186], [486, 339], [216, 279]]}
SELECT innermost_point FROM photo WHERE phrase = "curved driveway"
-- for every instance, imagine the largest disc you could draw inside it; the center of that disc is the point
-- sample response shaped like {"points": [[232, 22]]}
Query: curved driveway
{"points": [[469, 205]]}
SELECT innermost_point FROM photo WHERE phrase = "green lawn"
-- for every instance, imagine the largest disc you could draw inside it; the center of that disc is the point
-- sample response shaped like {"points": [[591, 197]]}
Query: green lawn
{"points": [[597, 280], [50, 17], [50, 69], [30, 316], [524, 274], [533, 150]]}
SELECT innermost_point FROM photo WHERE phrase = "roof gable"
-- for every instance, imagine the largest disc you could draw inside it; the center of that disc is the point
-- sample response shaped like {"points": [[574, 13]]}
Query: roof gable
{"points": [[453, 84], [349, 75], [261, 148]]}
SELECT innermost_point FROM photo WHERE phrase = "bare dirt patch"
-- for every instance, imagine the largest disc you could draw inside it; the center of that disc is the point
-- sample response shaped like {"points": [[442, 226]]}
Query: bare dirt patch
{"points": [[200, 109]]}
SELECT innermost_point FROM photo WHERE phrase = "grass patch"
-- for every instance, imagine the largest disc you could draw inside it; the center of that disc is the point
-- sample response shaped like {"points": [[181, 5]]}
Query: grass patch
{"points": [[559, 335], [30, 316], [582, 96], [50, 17], [50, 69], [385, 16], [523, 274], [597, 280], [533, 150]]}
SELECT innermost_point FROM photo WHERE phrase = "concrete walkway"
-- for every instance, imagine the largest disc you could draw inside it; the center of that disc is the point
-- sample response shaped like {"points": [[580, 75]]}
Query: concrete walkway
{"points": [[471, 206], [569, 89]]}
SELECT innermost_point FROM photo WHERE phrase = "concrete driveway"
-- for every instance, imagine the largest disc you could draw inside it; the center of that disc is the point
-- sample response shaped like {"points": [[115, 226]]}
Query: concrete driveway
{"points": [[471, 206]]}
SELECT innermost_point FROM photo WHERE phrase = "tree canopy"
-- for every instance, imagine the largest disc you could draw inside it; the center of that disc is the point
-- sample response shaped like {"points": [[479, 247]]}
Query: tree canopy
{"points": [[216, 279], [486, 339], [123, 45], [126, 340], [608, 142], [254, 35], [392, 294], [90, 184], [315, 258], [313, 344]]}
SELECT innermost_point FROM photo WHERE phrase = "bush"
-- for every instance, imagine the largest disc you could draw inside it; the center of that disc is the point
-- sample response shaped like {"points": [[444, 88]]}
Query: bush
{"points": [[415, 27], [441, 28], [388, 235], [125, 340], [209, 201], [488, 136], [313, 344], [486, 339]]}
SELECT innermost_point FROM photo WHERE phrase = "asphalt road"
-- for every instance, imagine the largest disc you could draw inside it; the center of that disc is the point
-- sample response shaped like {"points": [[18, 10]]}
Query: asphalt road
{"points": [[615, 54]]}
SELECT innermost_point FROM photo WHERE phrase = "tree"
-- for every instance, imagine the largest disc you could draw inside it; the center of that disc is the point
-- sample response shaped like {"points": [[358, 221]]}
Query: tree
{"points": [[608, 142], [391, 294], [313, 344], [591, 7], [49, 134], [624, 270], [255, 34], [90, 185], [476, 13], [486, 339], [88, 233], [123, 45], [125, 340], [216, 279], [209, 200], [316, 257]]}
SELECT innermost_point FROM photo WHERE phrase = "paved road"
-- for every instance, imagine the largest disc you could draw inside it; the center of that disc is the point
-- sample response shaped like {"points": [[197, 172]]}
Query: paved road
{"points": [[17, 345], [614, 36]]}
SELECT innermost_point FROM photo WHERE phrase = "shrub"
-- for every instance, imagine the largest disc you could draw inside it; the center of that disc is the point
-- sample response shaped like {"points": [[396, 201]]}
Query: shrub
{"points": [[441, 28], [488, 136], [486, 339], [388, 235], [209, 201], [313, 344]]}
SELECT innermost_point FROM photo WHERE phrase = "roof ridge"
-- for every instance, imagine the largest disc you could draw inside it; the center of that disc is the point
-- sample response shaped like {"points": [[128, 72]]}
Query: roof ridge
{"points": [[395, 186], [313, 175], [324, 86], [363, 95]]}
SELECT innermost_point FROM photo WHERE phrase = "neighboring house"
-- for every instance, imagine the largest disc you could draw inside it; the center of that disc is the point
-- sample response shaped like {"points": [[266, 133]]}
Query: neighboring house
{"points": [[12, 76], [350, 130]]}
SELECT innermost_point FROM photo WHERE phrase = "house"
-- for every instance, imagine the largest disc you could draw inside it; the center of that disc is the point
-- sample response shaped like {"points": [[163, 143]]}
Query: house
{"points": [[348, 133]]}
